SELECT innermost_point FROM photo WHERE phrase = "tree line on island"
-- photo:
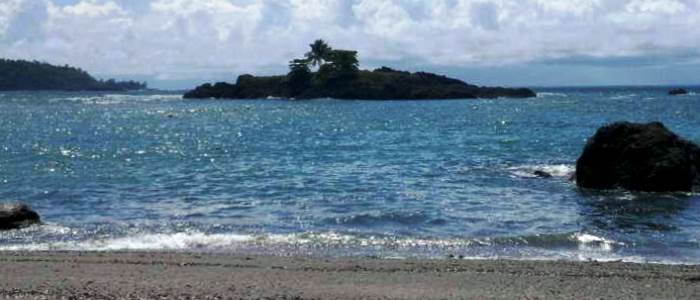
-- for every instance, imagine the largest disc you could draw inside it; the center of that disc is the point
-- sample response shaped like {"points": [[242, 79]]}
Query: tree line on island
{"points": [[34, 75], [325, 72]]}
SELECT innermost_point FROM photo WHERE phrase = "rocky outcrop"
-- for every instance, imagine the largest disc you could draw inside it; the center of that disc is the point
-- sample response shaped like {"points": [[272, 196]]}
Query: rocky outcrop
{"points": [[640, 157], [677, 92], [380, 84], [13, 216]]}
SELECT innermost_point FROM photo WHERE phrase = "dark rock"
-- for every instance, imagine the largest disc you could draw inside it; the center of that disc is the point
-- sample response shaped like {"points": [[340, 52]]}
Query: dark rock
{"points": [[13, 216], [542, 174], [381, 84], [641, 157], [677, 92]]}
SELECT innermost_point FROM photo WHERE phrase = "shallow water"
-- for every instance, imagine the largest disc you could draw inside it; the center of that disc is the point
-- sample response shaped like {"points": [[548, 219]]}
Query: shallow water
{"points": [[330, 177]]}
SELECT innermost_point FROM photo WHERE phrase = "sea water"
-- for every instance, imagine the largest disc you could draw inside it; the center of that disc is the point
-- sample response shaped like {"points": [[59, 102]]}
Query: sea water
{"points": [[435, 179]]}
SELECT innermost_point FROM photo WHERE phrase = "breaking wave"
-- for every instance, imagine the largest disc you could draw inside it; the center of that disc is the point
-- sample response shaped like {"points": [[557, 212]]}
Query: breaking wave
{"points": [[577, 246]]}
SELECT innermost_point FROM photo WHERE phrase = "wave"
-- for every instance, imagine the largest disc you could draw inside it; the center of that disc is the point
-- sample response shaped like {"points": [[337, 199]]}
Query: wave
{"points": [[111, 99], [197, 240], [623, 96], [589, 241], [551, 94], [577, 246]]}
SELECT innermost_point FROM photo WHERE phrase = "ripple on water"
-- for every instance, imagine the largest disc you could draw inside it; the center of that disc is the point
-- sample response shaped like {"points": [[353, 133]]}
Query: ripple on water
{"points": [[336, 177]]}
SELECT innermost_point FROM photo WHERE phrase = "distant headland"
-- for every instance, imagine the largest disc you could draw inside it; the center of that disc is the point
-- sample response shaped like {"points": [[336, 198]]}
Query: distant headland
{"points": [[338, 76], [22, 75]]}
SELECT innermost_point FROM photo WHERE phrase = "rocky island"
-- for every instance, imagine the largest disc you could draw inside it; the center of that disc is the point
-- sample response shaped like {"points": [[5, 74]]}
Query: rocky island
{"points": [[677, 92], [22, 75], [338, 76]]}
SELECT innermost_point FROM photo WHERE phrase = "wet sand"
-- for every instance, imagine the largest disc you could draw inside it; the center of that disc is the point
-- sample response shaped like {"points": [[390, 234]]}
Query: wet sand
{"points": [[143, 275]]}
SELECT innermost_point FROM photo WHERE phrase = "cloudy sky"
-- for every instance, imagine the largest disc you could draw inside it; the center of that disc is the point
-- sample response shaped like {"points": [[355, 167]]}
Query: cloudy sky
{"points": [[179, 43]]}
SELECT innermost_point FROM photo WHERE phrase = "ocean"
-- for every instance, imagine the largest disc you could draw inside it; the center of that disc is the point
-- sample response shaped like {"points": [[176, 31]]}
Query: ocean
{"points": [[432, 179]]}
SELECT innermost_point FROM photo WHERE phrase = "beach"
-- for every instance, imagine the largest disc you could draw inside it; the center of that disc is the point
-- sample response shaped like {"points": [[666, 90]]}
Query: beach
{"points": [[169, 275]]}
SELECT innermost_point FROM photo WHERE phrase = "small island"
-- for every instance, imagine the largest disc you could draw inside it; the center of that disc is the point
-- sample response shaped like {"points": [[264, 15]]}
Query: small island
{"points": [[22, 75], [337, 75]]}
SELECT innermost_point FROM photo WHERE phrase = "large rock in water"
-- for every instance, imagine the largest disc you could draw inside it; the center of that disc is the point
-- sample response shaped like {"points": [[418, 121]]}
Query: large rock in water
{"points": [[13, 216], [640, 157]]}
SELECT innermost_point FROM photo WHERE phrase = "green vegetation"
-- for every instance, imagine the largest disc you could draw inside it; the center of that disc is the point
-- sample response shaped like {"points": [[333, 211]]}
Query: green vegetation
{"points": [[32, 76], [299, 77], [338, 76]]}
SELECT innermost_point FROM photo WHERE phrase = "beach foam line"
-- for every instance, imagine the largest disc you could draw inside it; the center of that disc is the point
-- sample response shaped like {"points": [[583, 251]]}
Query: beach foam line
{"points": [[578, 246]]}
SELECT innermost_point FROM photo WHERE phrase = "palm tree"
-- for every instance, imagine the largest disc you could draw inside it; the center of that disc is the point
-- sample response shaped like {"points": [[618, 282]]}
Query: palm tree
{"points": [[320, 52]]}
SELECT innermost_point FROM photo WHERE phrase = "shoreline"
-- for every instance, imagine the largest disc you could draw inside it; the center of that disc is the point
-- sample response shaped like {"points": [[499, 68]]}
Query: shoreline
{"points": [[87, 275]]}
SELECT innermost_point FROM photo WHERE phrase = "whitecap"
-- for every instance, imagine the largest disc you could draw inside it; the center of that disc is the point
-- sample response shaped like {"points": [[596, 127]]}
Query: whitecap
{"points": [[623, 96], [551, 94], [112, 99]]}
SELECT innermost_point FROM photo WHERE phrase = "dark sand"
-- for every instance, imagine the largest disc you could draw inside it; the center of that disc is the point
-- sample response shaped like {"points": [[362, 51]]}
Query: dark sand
{"points": [[36, 275]]}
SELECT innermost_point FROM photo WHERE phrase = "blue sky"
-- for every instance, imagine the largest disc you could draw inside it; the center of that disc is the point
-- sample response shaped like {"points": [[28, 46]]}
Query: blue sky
{"points": [[179, 43]]}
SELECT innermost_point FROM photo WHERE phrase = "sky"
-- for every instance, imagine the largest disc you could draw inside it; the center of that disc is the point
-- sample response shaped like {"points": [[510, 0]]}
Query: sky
{"points": [[176, 44]]}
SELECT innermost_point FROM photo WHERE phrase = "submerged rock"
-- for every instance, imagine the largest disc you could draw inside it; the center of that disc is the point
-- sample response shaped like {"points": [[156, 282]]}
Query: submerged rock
{"points": [[542, 174], [13, 216], [676, 92], [641, 157]]}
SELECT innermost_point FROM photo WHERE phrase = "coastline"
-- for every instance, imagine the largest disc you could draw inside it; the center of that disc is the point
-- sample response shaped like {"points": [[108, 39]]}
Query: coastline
{"points": [[108, 275]]}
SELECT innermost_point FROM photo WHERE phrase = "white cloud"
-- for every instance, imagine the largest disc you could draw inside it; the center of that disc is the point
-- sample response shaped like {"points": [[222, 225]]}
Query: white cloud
{"points": [[567, 7], [91, 9], [655, 7], [196, 38], [7, 10]]}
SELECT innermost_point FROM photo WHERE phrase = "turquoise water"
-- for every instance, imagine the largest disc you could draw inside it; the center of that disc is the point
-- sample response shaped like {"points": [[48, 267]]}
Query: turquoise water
{"points": [[329, 177]]}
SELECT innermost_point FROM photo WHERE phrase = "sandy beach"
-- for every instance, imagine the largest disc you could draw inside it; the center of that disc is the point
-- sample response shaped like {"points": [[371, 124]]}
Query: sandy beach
{"points": [[141, 275]]}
